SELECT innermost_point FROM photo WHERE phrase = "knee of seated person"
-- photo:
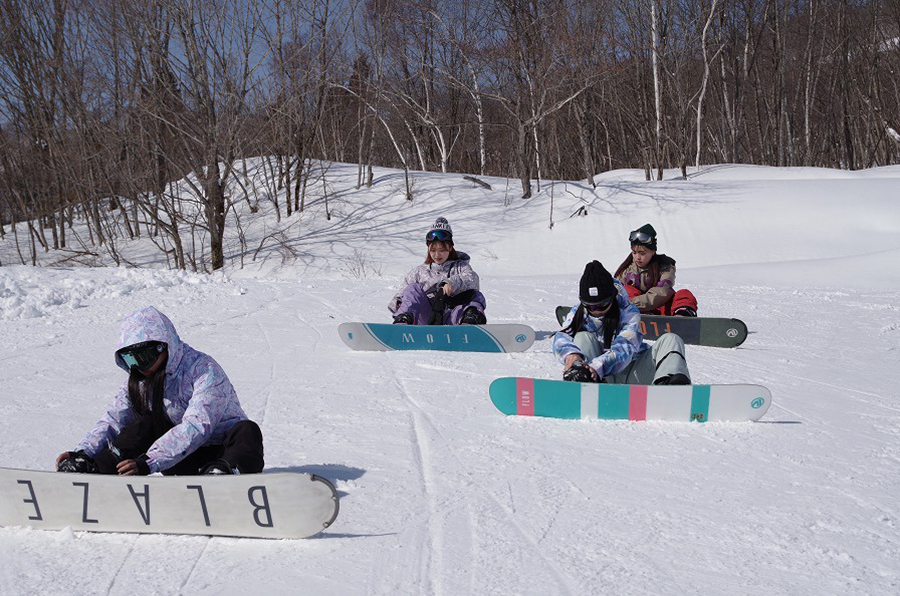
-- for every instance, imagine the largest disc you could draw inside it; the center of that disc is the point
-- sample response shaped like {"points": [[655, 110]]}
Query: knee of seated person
{"points": [[414, 290], [583, 339], [247, 428], [672, 339], [588, 344]]}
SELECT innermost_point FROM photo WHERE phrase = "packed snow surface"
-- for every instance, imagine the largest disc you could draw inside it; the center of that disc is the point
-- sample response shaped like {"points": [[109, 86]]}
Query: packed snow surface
{"points": [[442, 494]]}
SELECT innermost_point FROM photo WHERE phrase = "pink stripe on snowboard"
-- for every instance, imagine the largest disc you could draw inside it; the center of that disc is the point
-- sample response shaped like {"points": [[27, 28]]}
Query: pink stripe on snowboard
{"points": [[637, 402], [525, 397]]}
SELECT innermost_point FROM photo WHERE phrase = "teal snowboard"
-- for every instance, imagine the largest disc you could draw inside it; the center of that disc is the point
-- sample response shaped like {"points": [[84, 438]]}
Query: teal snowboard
{"points": [[451, 338], [699, 331], [677, 403]]}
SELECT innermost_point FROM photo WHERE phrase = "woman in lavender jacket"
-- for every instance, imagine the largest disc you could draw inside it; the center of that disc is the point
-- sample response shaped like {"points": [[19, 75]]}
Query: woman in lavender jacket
{"points": [[443, 290], [177, 413]]}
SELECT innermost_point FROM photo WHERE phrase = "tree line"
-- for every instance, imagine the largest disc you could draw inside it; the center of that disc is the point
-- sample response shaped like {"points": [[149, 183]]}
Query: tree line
{"points": [[106, 104]]}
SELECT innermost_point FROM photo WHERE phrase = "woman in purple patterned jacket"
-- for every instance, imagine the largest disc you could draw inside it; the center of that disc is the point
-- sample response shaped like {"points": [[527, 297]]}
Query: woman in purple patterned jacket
{"points": [[177, 413], [444, 290]]}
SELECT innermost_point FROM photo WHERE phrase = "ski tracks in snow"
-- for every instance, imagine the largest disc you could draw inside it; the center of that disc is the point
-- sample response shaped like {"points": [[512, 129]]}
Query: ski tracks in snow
{"points": [[451, 524], [448, 532], [126, 581], [190, 574], [282, 305], [266, 391], [115, 576], [562, 579], [423, 435]]}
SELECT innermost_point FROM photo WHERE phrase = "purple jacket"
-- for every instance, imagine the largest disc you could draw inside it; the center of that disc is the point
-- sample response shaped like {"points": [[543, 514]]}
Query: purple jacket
{"points": [[459, 274], [199, 398]]}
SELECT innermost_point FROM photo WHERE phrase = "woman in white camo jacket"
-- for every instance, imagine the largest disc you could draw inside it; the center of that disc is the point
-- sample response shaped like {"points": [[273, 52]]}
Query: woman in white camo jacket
{"points": [[177, 413]]}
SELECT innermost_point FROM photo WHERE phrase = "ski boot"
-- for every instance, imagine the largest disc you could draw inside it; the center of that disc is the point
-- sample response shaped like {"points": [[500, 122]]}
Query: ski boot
{"points": [[676, 379], [404, 318], [473, 316]]}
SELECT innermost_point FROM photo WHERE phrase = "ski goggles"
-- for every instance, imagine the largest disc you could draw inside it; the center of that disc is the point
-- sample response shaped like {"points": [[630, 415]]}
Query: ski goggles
{"points": [[439, 235], [141, 356], [640, 237], [599, 308]]}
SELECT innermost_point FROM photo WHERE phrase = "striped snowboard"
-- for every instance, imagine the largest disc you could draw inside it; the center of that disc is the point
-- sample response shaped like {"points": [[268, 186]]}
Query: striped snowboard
{"points": [[678, 403]]}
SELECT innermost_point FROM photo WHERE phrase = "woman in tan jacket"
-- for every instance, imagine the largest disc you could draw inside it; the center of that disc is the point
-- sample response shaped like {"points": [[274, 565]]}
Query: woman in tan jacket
{"points": [[649, 278]]}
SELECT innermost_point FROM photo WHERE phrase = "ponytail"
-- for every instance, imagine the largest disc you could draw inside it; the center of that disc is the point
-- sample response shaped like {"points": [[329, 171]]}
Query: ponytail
{"points": [[146, 396]]}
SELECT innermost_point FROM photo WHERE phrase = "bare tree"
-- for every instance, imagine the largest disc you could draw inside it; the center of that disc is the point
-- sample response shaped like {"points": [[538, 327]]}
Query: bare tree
{"points": [[140, 119], [216, 65], [705, 81]]}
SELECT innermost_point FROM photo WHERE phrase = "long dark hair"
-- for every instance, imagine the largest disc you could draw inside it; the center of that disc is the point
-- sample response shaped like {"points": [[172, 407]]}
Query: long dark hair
{"points": [[610, 322], [653, 267], [146, 396]]}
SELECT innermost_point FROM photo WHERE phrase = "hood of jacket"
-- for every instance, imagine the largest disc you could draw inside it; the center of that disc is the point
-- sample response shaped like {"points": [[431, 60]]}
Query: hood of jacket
{"points": [[148, 324]]}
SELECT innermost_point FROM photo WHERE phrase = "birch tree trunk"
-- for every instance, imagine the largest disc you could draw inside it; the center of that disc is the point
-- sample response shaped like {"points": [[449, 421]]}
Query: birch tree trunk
{"points": [[657, 86], [705, 81]]}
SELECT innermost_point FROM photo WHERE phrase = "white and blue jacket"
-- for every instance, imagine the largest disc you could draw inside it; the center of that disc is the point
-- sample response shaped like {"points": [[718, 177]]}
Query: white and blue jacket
{"points": [[627, 343]]}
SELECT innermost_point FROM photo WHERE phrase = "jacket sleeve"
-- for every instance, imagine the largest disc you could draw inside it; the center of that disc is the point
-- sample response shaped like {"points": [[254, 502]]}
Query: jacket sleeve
{"points": [[626, 344], [211, 391], [110, 425], [563, 345], [463, 278], [659, 295], [411, 278]]}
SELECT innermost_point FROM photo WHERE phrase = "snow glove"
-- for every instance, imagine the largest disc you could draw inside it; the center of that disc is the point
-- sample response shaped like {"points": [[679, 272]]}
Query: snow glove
{"points": [[438, 297], [143, 468], [579, 372]]}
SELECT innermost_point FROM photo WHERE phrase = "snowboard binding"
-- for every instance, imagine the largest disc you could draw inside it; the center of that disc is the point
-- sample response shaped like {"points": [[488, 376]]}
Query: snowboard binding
{"points": [[219, 467], [404, 318], [78, 462], [579, 372], [473, 316]]}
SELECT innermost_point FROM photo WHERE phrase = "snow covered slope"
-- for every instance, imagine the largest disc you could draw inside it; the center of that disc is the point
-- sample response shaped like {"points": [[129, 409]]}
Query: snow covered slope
{"points": [[443, 495]]}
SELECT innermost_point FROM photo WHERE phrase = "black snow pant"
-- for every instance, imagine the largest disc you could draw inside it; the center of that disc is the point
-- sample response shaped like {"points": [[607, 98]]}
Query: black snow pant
{"points": [[241, 449]]}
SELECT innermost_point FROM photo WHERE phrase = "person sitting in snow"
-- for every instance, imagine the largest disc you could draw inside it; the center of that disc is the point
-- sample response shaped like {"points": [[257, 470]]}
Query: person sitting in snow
{"points": [[600, 340], [649, 278], [177, 413], [444, 289]]}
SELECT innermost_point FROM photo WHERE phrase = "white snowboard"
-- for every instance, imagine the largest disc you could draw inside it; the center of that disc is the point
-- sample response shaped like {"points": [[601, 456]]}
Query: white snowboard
{"points": [[280, 505], [447, 338]]}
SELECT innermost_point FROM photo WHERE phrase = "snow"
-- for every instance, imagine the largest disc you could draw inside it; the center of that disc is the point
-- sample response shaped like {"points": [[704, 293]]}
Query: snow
{"points": [[893, 134], [441, 494]]}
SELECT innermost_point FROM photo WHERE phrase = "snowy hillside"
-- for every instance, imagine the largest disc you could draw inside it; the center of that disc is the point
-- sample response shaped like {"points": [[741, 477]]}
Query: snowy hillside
{"points": [[441, 494]]}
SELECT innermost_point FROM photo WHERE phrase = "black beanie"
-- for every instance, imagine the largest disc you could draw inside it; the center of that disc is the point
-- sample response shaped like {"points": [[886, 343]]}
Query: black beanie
{"points": [[596, 284], [646, 229]]}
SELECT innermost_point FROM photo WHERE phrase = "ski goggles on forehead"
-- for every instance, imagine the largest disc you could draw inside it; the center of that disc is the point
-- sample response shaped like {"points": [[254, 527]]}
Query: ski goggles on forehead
{"points": [[599, 307], [439, 235], [641, 237], [142, 355]]}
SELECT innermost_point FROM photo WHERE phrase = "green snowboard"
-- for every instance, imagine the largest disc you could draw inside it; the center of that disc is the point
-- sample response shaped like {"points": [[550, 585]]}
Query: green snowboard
{"points": [[699, 331]]}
